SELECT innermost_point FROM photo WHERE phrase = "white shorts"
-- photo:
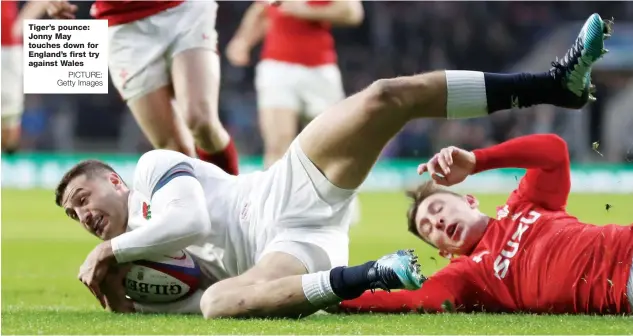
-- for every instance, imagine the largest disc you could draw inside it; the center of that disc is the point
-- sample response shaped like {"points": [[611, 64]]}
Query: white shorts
{"points": [[303, 214], [292, 86], [11, 86], [141, 52]]}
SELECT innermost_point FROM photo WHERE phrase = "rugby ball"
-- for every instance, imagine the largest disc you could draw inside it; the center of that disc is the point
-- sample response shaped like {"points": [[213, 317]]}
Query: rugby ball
{"points": [[163, 279]]}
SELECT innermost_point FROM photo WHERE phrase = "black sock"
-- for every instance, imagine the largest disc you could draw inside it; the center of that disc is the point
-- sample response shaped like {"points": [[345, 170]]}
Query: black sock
{"points": [[506, 91], [350, 282]]}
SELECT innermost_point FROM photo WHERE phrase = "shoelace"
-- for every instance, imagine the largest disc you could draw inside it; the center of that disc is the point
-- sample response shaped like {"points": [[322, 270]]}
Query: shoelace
{"points": [[559, 67], [385, 276]]}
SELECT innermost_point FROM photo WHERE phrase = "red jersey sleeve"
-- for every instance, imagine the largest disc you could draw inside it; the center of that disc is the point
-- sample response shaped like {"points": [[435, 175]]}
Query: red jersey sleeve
{"points": [[449, 287], [547, 181]]}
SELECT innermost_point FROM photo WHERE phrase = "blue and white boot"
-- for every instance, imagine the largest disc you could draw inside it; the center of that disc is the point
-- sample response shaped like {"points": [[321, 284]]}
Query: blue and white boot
{"points": [[399, 270], [574, 70]]}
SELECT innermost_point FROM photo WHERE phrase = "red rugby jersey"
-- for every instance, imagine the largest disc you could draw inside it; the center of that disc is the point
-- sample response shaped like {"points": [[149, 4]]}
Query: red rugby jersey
{"points": [[534, 257], [298, 41], [121, 12], [9, 15]]}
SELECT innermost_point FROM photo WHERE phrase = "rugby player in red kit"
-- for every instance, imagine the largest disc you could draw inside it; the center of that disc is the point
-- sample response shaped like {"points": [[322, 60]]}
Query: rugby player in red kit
{"points": [[534, 257]]}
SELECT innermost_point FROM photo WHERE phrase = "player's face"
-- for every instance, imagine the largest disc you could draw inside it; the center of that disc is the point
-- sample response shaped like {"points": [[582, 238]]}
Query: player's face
{"points": [[450, 222], [98, 203]]}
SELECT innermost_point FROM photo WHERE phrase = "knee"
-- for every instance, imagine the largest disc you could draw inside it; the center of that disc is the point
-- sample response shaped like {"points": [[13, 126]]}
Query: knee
{"points": [[383, 93], [202, 116], [224, 299], [407, 93], [211, 304], [175, 144]]}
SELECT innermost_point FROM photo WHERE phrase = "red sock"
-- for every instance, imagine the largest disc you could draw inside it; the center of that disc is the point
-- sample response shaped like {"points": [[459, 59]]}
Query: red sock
{"points": [[226, 159]]}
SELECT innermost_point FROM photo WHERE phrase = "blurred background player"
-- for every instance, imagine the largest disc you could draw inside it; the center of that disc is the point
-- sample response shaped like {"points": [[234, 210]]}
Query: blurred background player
{"points": [[297, 76], [12, 90], [163, 61]]}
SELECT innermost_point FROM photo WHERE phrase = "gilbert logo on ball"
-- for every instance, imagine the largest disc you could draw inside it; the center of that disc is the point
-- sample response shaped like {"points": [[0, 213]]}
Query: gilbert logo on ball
{"points": [[163, 279]]}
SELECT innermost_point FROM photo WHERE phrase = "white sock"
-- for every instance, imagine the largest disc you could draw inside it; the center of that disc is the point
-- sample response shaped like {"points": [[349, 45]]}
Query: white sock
{"points": [[465, 94], [318, 290]]}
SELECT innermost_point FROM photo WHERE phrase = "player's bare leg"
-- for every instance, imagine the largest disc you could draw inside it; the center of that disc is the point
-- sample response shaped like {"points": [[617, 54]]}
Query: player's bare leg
{"points": [[346, 140], [11, 131], [278, 286], [157, 118], [278, 126], [196, 81]]}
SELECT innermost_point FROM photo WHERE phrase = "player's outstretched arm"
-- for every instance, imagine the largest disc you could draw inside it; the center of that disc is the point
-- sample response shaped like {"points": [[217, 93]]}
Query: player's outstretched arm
{"points": [[251, 30], [547, 181], [545, 156], [31, 11], [442, 292], [61, 9], [339, 13], [391, 303], [536, 151]]}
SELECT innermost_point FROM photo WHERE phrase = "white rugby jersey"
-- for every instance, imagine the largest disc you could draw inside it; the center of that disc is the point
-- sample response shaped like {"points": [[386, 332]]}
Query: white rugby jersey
{"points": [[177, 202]]}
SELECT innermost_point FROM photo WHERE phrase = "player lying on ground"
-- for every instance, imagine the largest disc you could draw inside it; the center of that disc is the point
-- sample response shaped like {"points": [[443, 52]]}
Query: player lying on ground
{"points": [[164, 62], [534, 257], [277, 240]]}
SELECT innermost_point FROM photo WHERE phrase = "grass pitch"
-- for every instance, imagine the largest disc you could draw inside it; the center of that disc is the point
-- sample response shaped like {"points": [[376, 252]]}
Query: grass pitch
{"points": [[42, 251]]}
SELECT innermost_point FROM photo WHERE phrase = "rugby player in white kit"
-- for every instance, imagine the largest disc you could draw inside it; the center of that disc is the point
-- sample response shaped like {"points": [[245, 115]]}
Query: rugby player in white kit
{"points": [[277, 240], [12, 98], [163, 61]]}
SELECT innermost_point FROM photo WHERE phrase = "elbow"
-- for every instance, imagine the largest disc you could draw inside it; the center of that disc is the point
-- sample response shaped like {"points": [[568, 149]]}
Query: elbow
{"points": [[204, 229], [199, 223], [558, 145], [385, 94], [353, 16], [355, 21], [202, 220]]}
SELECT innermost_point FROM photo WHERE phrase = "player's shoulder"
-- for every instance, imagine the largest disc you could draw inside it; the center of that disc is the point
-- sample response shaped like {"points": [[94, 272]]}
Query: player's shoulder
{"points": [[160, 157], [525, 212], [157, 164]]}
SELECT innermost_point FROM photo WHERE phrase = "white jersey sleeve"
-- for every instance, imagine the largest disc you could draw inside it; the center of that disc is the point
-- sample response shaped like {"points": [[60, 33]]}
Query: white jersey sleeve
{"points": [[189, 305], [179, 213], [156, 168]]}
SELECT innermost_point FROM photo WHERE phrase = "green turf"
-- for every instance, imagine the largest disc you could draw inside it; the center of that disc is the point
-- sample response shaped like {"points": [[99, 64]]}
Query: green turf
{"points": [[42, 251]]}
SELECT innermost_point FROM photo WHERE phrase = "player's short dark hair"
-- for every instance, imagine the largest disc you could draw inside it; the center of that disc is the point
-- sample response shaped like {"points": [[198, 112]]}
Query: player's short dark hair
{"points": [[417, 196], [86, 167]]}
